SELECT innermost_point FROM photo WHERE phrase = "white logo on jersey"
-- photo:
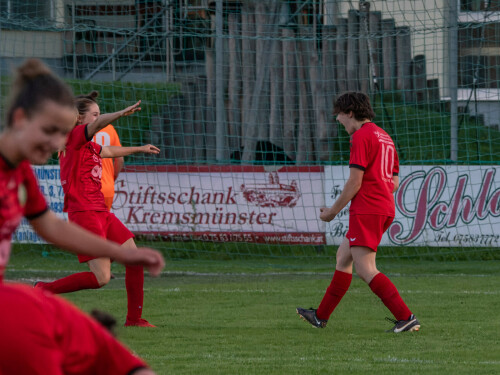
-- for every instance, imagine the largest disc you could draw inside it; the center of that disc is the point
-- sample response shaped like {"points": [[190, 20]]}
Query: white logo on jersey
{"points": [[383, 138]]}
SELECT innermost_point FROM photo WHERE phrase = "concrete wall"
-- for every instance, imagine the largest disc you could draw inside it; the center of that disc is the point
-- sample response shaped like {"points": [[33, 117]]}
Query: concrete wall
{"points": [[42, 44], [426, 19]]}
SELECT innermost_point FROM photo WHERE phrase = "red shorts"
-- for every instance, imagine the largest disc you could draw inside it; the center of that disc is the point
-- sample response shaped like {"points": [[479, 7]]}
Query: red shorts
{"points": [[367, 230], [103, 223]]}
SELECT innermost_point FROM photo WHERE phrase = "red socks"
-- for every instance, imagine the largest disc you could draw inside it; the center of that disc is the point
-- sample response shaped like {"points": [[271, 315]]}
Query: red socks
{"points": [[380, 285], [71, 283], [134, 283], [334, 293], [387, 292]]}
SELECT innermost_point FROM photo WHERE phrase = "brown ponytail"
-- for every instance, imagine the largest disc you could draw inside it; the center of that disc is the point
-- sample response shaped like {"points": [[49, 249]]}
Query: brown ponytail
{"points": [[35, 83], [82, 102]]}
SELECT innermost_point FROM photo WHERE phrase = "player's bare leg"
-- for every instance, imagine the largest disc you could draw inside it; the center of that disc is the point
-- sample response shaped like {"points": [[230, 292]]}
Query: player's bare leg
{"points": [[364, 262], [101, 268], [344, 257]]}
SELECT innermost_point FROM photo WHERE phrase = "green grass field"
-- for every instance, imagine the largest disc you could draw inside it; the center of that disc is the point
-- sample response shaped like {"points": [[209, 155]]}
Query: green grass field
{"points": [[238, 317]]}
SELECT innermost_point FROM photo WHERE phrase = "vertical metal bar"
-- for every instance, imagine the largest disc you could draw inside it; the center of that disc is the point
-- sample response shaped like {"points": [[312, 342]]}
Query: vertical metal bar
{"points": [[53, 11], [166, 27], [74, 38], [113, 64], [172, 46], [453, 77], [219, 82]]}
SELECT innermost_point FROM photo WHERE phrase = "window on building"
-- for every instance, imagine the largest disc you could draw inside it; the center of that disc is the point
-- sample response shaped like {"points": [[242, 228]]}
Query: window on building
{"points": [[26, 13], [479, 5], [479, 55]]}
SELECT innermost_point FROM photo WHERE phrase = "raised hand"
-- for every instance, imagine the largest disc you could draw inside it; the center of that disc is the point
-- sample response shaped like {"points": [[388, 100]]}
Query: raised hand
{"points": [[107, 118], [150, 149], [150, 259], [132, 109]]}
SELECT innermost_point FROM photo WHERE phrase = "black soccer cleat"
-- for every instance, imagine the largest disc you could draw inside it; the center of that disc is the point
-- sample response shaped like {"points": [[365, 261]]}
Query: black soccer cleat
{"points": [[412, 324], [310, 317]]}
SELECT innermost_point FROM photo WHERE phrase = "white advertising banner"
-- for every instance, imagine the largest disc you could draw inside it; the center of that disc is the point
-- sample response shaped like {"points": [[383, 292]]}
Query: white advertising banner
{"points": [[435, 205], [211, 203], [223, 203], [440, 206], [50, 184]]}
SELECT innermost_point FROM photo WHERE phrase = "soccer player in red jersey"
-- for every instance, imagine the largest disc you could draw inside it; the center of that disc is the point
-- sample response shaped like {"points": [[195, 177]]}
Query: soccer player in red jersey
{"points": [[81, 170], [374, 168], [40, 115], [44, 334]]}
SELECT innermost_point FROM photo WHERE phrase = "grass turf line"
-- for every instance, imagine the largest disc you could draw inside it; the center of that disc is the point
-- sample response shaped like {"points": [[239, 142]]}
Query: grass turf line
{"points": [[229, 320]]}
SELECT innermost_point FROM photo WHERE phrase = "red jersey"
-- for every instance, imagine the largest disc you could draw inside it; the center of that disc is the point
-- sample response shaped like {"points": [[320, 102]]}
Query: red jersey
{"points": [[44, 334], [19, 196], [373, 151], [81, 171]]}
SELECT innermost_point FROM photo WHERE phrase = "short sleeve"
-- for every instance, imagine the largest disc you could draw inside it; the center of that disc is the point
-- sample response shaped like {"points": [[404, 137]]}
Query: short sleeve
{"points": [[78, 137], [36, 205], [97, 147], [359, 153]]}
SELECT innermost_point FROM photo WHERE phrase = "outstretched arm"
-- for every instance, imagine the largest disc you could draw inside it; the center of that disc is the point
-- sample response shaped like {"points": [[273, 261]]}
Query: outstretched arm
{"points": [[351, 188], [77, 240], [107, 118], [117, 151]]}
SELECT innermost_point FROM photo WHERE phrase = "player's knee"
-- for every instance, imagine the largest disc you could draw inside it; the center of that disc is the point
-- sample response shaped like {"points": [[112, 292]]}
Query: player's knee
{"points": [[344, 261], [363, 277], [102, 278], [365, 274]]}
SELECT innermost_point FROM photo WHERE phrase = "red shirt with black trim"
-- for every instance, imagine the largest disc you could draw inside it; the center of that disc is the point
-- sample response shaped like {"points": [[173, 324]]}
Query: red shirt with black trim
{"points": [[20, 196], [44, 334], [373, 151], [81, 171]]}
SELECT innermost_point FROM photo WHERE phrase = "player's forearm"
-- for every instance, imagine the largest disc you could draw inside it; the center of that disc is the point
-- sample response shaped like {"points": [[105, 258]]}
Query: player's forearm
{"points": [[351, 188], [72, 238], [102, 121], [77, 240], [117, 151], [107, 118]]}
